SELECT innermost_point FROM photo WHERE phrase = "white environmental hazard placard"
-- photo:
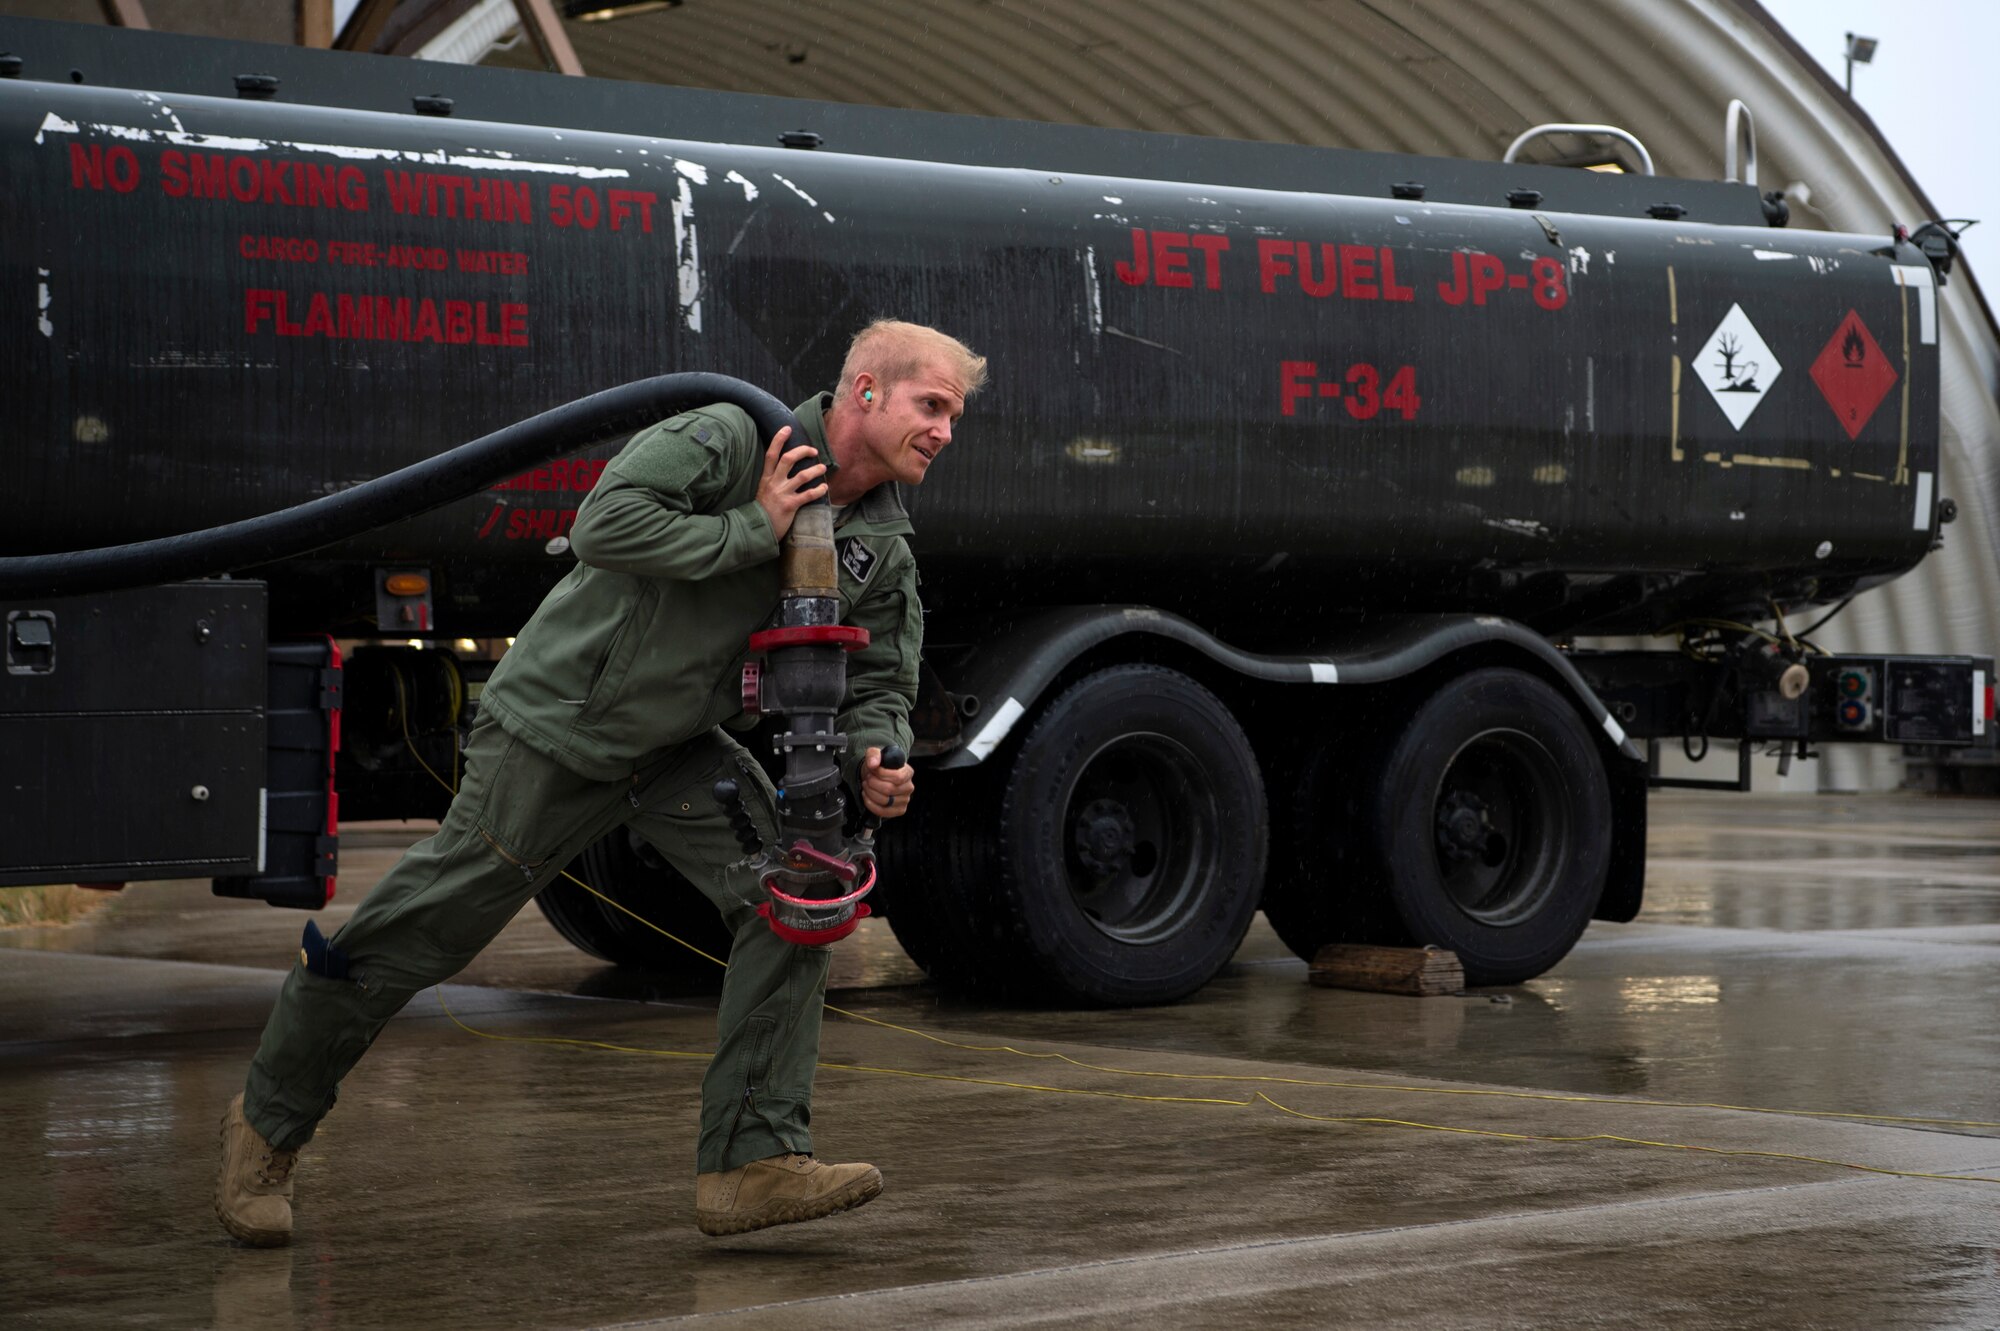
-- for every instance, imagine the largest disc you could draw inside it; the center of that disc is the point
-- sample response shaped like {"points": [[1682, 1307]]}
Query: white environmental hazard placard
{"points": [[1736, 366]]}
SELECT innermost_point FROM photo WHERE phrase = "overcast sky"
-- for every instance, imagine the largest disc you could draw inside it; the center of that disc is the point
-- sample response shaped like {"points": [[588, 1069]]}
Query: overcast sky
{"points": [[1933, 89]]}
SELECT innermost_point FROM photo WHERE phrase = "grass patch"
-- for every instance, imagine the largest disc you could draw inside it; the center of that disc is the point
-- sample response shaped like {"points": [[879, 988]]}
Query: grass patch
{"points": [[22, 906]]}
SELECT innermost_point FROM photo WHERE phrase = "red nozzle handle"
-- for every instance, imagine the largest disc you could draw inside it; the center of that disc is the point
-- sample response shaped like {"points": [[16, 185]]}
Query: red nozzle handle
{"points": [[842, 869]]}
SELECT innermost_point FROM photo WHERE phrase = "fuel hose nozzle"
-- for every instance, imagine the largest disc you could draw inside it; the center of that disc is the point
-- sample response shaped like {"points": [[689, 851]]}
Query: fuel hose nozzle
{"points": [[815, 877]]}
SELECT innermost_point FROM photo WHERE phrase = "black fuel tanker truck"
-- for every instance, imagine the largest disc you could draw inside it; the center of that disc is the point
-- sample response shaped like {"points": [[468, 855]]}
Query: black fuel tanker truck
{"points": [[1263, 575]]}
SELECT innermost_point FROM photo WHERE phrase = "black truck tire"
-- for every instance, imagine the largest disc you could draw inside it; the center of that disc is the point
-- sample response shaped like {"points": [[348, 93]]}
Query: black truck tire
{"points": [[1131, 842], [1490, 824], [630, 872], [935, 863]]}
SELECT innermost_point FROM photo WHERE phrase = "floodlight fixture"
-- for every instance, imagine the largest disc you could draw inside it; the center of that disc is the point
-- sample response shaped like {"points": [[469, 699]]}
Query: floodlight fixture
{"points": [[1860, 51]]}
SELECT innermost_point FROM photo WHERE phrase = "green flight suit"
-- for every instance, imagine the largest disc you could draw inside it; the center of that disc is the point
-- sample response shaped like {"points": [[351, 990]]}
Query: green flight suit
{"points": [[608, 712]]}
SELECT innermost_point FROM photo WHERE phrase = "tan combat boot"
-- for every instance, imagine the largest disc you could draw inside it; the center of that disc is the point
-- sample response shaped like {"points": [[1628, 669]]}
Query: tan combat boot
{"points": [[780, 1191], [253, 1193]]}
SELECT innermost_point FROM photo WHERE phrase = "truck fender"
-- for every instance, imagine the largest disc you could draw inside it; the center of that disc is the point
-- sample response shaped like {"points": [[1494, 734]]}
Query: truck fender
{"points": [[1016, 665]]}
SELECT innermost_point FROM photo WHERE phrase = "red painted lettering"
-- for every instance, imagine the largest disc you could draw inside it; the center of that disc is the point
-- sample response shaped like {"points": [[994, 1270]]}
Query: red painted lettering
{"points": [[1401, 395], [1212, 248], [353, 189], [173, 174], [510, 262], [538, 524], [390, 319], [622, 202], [256, 307], [1551, 283], [209, 173], [1295, 381], [1170, 259], [1359, 389], [121, 168], [286, 249], [428, 328], [1274, 260], [322, 186], [1134, 272], [445, 194], [1325, 285], [1362, 403], [245, 181], [1390, 290], [262, 180], [319, 318], [275, 181], [405, 190], [354, 317], [1453, 292], [1357, 272], [573, 206], [1488, 275], [94, 166]]}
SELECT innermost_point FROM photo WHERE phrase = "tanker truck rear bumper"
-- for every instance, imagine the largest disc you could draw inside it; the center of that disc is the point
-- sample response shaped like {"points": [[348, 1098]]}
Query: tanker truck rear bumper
{"points": [[1764, 698]]}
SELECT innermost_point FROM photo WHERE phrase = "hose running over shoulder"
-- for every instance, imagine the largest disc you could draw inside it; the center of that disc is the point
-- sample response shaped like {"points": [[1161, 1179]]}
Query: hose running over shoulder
{"points": [[414, 490]]}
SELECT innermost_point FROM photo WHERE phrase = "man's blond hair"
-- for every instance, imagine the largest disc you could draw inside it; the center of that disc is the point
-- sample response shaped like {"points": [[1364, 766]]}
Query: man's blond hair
{"points": [[893, 351]]}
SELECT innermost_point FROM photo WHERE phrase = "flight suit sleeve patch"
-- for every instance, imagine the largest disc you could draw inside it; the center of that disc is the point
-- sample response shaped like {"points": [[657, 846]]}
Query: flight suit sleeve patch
{"points": [[858, 559]]}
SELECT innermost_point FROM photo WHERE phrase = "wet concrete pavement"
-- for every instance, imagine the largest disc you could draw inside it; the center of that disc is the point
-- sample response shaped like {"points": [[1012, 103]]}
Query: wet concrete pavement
{"points": [[1798, 953]]}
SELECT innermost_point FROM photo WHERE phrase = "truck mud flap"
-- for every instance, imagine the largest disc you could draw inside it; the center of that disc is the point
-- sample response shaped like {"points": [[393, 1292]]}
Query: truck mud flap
{"points": [[301, 807]]}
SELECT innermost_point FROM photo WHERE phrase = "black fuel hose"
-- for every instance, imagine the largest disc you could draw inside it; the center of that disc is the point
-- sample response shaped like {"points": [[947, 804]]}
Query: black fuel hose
{"points": [[414, 490]]}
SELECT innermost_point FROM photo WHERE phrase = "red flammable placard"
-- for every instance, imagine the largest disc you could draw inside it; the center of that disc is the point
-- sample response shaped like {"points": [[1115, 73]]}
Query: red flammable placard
{"points": [[1854, 374]]}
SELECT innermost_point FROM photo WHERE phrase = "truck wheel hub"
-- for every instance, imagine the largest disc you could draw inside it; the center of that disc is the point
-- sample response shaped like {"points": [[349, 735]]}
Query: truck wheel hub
{"points": [[1106, 836], [1464, 827]]}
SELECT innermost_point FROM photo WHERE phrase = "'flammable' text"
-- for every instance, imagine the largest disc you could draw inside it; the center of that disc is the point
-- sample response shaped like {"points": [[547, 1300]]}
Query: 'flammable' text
{"points": [[387, 318]]}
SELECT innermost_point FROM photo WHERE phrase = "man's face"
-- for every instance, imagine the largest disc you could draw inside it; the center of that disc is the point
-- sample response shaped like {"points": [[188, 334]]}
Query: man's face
{"points": [[911, 422]]}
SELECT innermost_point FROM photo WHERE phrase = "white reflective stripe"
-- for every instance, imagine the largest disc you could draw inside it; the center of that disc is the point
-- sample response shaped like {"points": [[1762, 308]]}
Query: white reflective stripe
{"points": [[1325, 672], [1978, 702], [995, 729], [1921, 519], [1919, 275], [1613, 729], [263, 824]]}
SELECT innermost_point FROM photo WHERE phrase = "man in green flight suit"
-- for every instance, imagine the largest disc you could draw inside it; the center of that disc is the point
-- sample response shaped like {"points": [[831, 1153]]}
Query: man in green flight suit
{"points": [[607, 712]]}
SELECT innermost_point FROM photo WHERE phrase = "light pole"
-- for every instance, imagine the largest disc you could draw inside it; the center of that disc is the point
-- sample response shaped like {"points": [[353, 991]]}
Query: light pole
{"points": [[1860, 51]]}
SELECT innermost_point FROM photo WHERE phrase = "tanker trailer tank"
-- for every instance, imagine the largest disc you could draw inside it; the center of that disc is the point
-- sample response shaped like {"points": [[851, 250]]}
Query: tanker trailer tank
{"points": [[1251, 583]]}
